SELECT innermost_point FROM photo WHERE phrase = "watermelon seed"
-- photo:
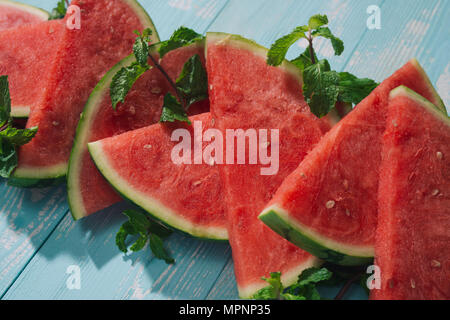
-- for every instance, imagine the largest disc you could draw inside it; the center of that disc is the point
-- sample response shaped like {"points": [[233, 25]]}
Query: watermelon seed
{"points": [[55, 123], [132, 110], [391, 283], [51, 31], [212, 162], [147, 146], [394, 124], [213, 121], [156, 90], [211, 87], [439, 155], [345, 183], [435, 264], [197, 183], [413, 284], [303, 175], [347, 212], [330, 204], [435, 192]]}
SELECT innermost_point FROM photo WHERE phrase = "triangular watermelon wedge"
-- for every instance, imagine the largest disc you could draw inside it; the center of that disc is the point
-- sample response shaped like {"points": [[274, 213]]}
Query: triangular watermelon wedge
{"points": [[105, 37], [246, 93], [14, 14], [25, 52], [87, 190], [413, 230], [328, 205], [139, 165]]}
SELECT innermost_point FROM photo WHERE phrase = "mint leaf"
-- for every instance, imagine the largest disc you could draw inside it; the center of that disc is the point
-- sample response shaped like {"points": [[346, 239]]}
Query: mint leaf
{"points": [[317, 21], [5, 101], [18, 137], [338, 44], [59, 12], [279, 49], [123, 81], [304, 60], [157, 247], [8, 158], [146, 230], [181, 37], [173, 111], [320, 88], [304, 289], [192, 83], [354, 90], [141, 47]]}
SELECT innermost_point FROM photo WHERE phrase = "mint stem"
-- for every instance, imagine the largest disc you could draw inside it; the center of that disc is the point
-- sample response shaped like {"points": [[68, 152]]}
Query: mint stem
{"points": [[172, 84], [311, 49]]}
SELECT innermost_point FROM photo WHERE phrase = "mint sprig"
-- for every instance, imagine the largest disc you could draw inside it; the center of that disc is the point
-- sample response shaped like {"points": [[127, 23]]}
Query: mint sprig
{"points": [[59, 12], [190, 87], [322, 87], [146, 230], [10, 137], [303, 289]]}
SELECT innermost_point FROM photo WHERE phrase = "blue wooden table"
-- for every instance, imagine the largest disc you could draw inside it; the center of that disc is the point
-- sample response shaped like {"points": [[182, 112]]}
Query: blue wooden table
{"points": [[41, 247]]}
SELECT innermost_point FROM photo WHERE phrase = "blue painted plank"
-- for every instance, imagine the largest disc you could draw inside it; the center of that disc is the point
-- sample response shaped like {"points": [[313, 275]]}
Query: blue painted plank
{"points": [[28, 217]]}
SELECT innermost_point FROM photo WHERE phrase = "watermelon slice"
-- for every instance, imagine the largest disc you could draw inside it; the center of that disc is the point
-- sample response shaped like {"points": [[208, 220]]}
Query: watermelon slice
{"points": [[246, 93], [328, 205], [14, 14], [139, 166], [85, 55], [24, 53], [414, 199], [87, 189]]}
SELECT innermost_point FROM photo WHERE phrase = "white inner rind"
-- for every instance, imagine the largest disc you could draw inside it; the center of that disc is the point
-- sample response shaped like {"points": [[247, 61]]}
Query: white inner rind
{"points": [[20, 111], [41, 13], [350, 250], [151, 205]]}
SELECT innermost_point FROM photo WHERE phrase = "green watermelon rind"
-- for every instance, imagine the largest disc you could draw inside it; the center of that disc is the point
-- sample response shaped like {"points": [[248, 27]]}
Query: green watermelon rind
{"points": [[35, 177], [157, 210], [323, 248], [41, 13], [411, 94], [425, 77]]}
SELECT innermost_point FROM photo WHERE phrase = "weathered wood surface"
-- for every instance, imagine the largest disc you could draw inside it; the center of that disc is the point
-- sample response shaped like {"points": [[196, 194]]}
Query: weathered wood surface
{"points": [[38, 239]]}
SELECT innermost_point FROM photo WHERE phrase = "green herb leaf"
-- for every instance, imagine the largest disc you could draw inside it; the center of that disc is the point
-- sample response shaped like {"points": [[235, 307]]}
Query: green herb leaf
{"points": [[304, 60], [354, 90], [123, 81], [141, 225], [18, 137], [338, 44], [304, 289], [181, 37], [8, 158], [320, 88], [141, 47], [317, 21], [59, 12], [173, 111], [5, 101], [193, 81], [157, 247], [279, 49]]}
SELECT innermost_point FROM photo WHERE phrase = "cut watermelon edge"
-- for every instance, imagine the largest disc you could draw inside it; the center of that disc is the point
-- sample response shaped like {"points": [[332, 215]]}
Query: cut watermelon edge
{"points": [[279, 220], [288, 278], [156, 209], [240, 42], [38, 12], [81, 139], [411, 94], [35, 177]]}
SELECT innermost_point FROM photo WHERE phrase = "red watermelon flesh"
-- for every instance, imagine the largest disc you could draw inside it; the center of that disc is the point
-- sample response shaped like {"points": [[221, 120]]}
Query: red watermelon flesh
{"points": [[13, 14], [414, 202], [85, 55], [328, 205], [88, 191], [186, 197], [247, 93], [26, 54]]}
